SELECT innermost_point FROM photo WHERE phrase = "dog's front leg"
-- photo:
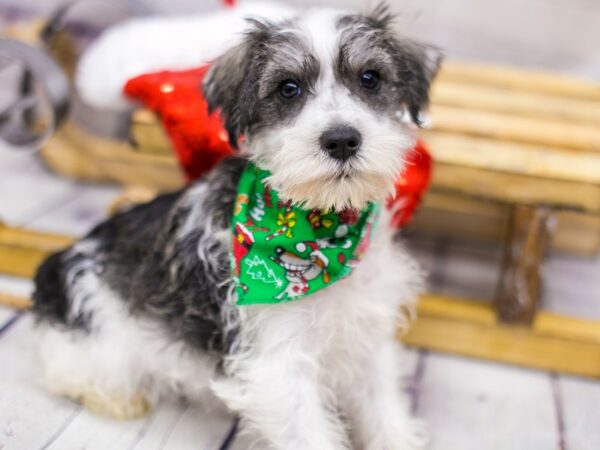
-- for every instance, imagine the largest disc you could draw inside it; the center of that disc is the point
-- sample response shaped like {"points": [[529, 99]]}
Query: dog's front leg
{"points": [[278, 397], [378, 408]]}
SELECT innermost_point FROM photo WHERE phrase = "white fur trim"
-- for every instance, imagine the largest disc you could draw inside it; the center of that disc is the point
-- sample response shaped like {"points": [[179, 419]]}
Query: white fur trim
{"points": [[145, 45]]}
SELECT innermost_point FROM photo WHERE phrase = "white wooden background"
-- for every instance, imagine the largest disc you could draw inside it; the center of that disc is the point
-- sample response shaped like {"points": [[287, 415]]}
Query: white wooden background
{"points": [[560, 35], [469, 404]]}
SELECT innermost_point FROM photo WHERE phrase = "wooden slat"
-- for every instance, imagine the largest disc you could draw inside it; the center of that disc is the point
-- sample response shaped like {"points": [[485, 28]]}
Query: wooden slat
{"points": [[148, 134], [576, 233], [513, 157], [21, 251], [14, 301], [537, 131], [43, 242], [556, 325], [514, 102], [514, 188], [460, 310], [131, 196], [524, 79], [460, 217], [145, 117], [20, 262], [468, 328], [78, 154]]}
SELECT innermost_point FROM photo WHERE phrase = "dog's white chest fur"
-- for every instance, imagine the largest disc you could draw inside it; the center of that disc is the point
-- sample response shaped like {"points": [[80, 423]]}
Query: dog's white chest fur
{"points": [[352, 312], [324, 345]]}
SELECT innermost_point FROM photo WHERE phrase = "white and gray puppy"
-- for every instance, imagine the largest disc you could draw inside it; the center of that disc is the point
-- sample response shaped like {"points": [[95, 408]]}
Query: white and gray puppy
{"points": [[145, 304]]}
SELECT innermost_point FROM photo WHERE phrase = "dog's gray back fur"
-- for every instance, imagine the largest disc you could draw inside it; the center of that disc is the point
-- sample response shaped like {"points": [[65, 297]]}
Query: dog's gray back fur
{"points": [[154, 257]]}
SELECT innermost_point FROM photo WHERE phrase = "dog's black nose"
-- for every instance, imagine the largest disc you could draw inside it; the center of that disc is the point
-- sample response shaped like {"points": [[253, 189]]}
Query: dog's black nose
{"points": [[341, 143]]}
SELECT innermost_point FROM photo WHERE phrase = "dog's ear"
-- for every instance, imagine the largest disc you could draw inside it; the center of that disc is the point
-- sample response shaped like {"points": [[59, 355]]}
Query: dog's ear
{"points": [[417, 67], [416, 64], [230, 86]]}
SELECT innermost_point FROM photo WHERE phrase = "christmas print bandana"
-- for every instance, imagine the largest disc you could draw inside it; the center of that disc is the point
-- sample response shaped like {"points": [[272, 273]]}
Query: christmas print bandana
{"points": [[282, 252]]}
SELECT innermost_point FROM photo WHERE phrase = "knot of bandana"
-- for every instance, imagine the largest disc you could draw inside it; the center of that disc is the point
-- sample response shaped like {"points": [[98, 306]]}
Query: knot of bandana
{"points": [[283, 252]]}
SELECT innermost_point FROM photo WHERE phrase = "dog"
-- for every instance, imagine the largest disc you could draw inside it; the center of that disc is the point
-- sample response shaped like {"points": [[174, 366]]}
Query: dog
{"points": [[145, 306]]}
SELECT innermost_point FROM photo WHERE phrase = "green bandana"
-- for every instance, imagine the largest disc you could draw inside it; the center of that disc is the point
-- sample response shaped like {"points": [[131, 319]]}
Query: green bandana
{"points": [[282, 252]]}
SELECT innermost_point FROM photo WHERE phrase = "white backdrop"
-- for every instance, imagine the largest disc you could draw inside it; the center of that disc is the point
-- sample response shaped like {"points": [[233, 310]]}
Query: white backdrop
{"points": [[561, 35]]}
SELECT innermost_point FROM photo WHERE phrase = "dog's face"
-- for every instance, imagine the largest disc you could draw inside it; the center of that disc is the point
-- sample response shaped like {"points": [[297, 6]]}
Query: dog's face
{"points": [[327, 102]]}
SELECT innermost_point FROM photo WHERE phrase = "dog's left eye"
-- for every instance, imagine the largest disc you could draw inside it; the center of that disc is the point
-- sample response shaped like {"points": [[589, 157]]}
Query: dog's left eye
{"points": [[289, 89], [370, 80]]}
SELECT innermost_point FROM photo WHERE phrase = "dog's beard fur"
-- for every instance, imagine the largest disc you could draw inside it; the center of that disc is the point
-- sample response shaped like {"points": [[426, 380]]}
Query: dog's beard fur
{"points": [[303, 173]]}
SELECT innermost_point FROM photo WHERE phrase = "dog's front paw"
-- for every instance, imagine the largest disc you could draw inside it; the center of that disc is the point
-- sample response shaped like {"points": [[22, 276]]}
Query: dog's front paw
{"points": [[409, 434]]}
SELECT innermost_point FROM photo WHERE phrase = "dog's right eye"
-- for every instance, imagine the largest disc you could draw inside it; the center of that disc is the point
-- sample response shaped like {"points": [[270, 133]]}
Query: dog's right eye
{"points": [[289, 89], [370, 80]]}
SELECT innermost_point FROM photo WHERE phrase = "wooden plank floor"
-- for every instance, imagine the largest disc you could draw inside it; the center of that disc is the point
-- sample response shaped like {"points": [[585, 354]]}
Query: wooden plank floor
{"points": [[468, 404]]}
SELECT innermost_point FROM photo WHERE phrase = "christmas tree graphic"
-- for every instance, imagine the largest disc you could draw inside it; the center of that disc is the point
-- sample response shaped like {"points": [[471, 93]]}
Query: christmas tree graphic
{"points": [[259, 270]]}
